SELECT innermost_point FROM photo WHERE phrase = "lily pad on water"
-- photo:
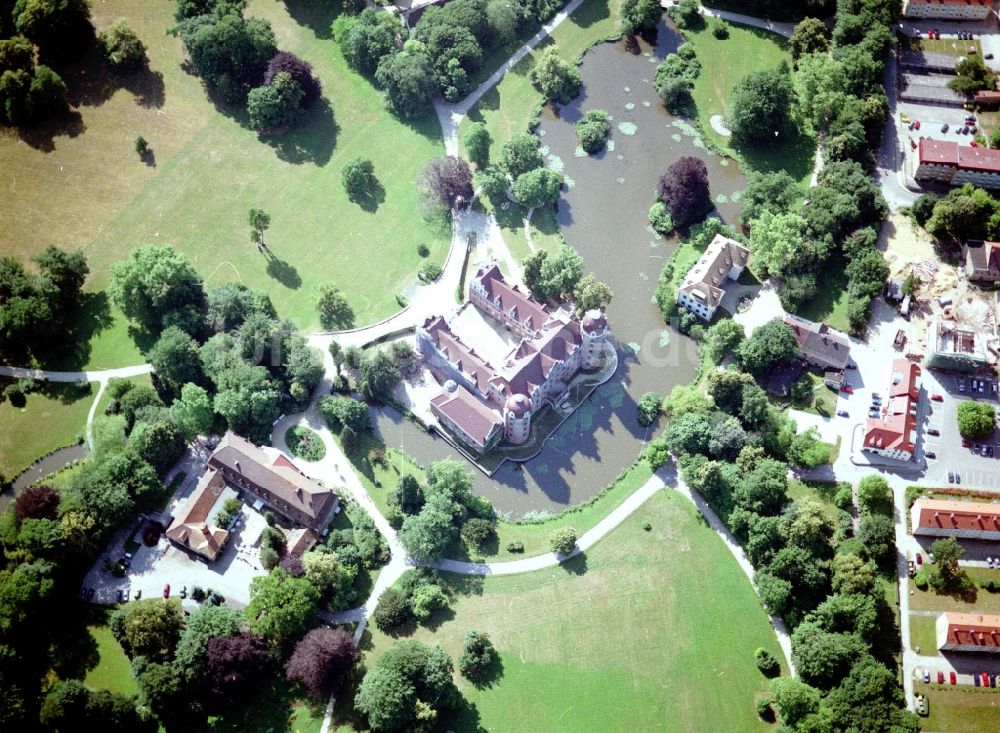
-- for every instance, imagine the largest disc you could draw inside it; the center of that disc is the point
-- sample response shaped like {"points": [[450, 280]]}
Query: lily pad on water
{"points": [[721, 198], [645, 103], [633, 347], [724, 162], [628, 89], [620, 180], [735, 196], [627, 128], [675, 137], [556, 163], [620, 157], [630, 105], [644, 277], [541, 133], [611, 146]]}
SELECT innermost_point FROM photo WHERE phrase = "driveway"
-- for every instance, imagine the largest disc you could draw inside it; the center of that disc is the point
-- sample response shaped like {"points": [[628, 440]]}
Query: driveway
{"points": [[765, 307]]}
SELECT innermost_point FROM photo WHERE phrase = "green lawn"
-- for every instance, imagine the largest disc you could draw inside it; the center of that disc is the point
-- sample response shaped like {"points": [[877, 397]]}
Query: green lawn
{"points": [[984, 602], [210, 170], [50, 419], [141, 380], [923, 635], [830, 303], [113, 671], [821, 491], [650, 630], [961, 709], [723, 63]]}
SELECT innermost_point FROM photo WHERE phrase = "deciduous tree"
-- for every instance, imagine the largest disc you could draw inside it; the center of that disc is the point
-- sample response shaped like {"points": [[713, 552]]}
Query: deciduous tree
{"points": [[321, 661], [556, 79], [684, 189]]}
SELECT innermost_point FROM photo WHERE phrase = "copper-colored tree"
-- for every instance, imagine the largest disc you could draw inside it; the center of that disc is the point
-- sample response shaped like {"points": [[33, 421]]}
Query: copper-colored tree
{"points": [[321, 661]]}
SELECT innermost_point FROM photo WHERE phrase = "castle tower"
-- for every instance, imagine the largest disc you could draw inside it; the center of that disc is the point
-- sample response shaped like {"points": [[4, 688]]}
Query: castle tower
{"points": [[517, 419], [594, 330]]}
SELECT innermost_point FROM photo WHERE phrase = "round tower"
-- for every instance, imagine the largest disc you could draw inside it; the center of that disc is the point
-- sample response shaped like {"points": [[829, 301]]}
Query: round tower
{"points": [[517, 419], [594, 331]]}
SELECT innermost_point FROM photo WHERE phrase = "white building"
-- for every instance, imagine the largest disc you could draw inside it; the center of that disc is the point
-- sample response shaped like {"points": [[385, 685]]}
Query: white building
{"points": [[705, 284]]}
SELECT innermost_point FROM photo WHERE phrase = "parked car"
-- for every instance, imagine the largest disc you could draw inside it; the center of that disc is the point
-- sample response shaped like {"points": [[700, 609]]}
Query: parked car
{"points": [[989, 451], [933, 431], [843, 413], [944, 127], [952, 677], [970, 120], [966, 442], [983, 451], [937, 398], [922, 705], [976, 681], [926, 675], [847, 389], [873, 414], [920, 559], [940, 677], [166, 590], [951, 477], [184, 591], [118, 595], [911, 569], [982, 386], [916, 124], [961, 385], [125, 594], [930, 454], [988, 56], [138, 594], [904, 118], [989, 561], [876, 396], [985, 677], [958, 477]]}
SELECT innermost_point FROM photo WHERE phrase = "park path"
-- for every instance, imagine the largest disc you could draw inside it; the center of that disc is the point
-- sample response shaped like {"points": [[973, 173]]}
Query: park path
{"points": [[782, 29], [101, 377]]}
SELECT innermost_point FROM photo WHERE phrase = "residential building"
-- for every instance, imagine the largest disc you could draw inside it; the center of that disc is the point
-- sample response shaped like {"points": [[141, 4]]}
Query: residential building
{"points": [[484, 402], [193, 527], [819, 345], [275, 482], [893, 434], [960, 519], [949, 162], [704, 286], [948, 9], [299, 541], [968, 632], [953, 348], [986, 99], [982, 261]]}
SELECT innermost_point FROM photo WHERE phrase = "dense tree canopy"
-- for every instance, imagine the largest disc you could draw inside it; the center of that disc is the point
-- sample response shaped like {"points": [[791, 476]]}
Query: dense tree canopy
{"points": [[282, 608], [760, 106], [684, 189], [154, 282], [556, 79], [321, 661]]}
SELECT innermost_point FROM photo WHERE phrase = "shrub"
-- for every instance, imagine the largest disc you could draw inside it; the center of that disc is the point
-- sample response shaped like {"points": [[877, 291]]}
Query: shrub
{"points": [[647, 526], [592, 130], [844, 498], [430, 271], [515, 547], [426, 599], [197, 594], [975, 419], [122, 46], [721, 32], [990, 586], [141, 147], [922, 579], [649, 408], [392, 611], [660, 219], [764, 709], [766, 663], [478, 532], [563, 540], [478, 654]]}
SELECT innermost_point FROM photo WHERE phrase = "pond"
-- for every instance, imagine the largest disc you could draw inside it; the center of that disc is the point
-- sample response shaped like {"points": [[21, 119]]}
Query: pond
{"points": [[603, 215]]}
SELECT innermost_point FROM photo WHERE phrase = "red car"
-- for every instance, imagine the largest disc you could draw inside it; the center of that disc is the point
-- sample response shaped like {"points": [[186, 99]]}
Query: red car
{"points": [[166, 590], [848, 389], [920, 560], [940, 677], [984, 678], [952, 677], [916, 124], [937, 398]]}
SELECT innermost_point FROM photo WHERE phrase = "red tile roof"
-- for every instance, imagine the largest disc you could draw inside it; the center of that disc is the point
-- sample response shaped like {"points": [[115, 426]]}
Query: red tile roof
{"points": [[896, 427], [191, 527], [512, 299], [970, 630], [464, 358], [964, 157], [936, 514], [463, 409]]}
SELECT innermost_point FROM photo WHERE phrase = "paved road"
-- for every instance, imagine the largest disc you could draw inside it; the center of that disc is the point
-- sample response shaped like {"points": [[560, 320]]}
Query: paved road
{"points": [[782, 29]]}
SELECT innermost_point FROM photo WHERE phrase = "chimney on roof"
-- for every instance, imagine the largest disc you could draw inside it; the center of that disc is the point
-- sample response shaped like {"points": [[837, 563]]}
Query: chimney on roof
{"points": [[238, 468], [298, 491]]}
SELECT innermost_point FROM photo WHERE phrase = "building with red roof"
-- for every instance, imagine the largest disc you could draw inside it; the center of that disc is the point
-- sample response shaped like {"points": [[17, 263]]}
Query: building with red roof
{"points": [[893, 434], [968, 632], [945, 161], [948, 9], [960, 519]]}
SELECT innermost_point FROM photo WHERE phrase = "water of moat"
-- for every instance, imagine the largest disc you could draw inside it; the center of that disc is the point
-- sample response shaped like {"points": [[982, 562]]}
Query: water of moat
{"points": [[603, 215]]}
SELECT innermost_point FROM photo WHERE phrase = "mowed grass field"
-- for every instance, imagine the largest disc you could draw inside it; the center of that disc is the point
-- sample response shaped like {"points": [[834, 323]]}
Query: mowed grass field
{"points": [[724, 62], [87, 188], [50, 419], [113, 671], [961, 709], [649, 631]]}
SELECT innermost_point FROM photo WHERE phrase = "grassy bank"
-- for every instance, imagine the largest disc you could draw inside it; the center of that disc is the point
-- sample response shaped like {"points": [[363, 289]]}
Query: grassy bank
{"points": [[50, 419]]}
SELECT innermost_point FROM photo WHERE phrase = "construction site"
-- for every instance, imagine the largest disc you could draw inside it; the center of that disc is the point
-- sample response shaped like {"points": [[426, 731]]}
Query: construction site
{"points": [[947, 313]]}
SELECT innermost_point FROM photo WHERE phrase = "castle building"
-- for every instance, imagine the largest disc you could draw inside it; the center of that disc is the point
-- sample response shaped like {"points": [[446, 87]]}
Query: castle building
{"points": [[483, 401]]}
